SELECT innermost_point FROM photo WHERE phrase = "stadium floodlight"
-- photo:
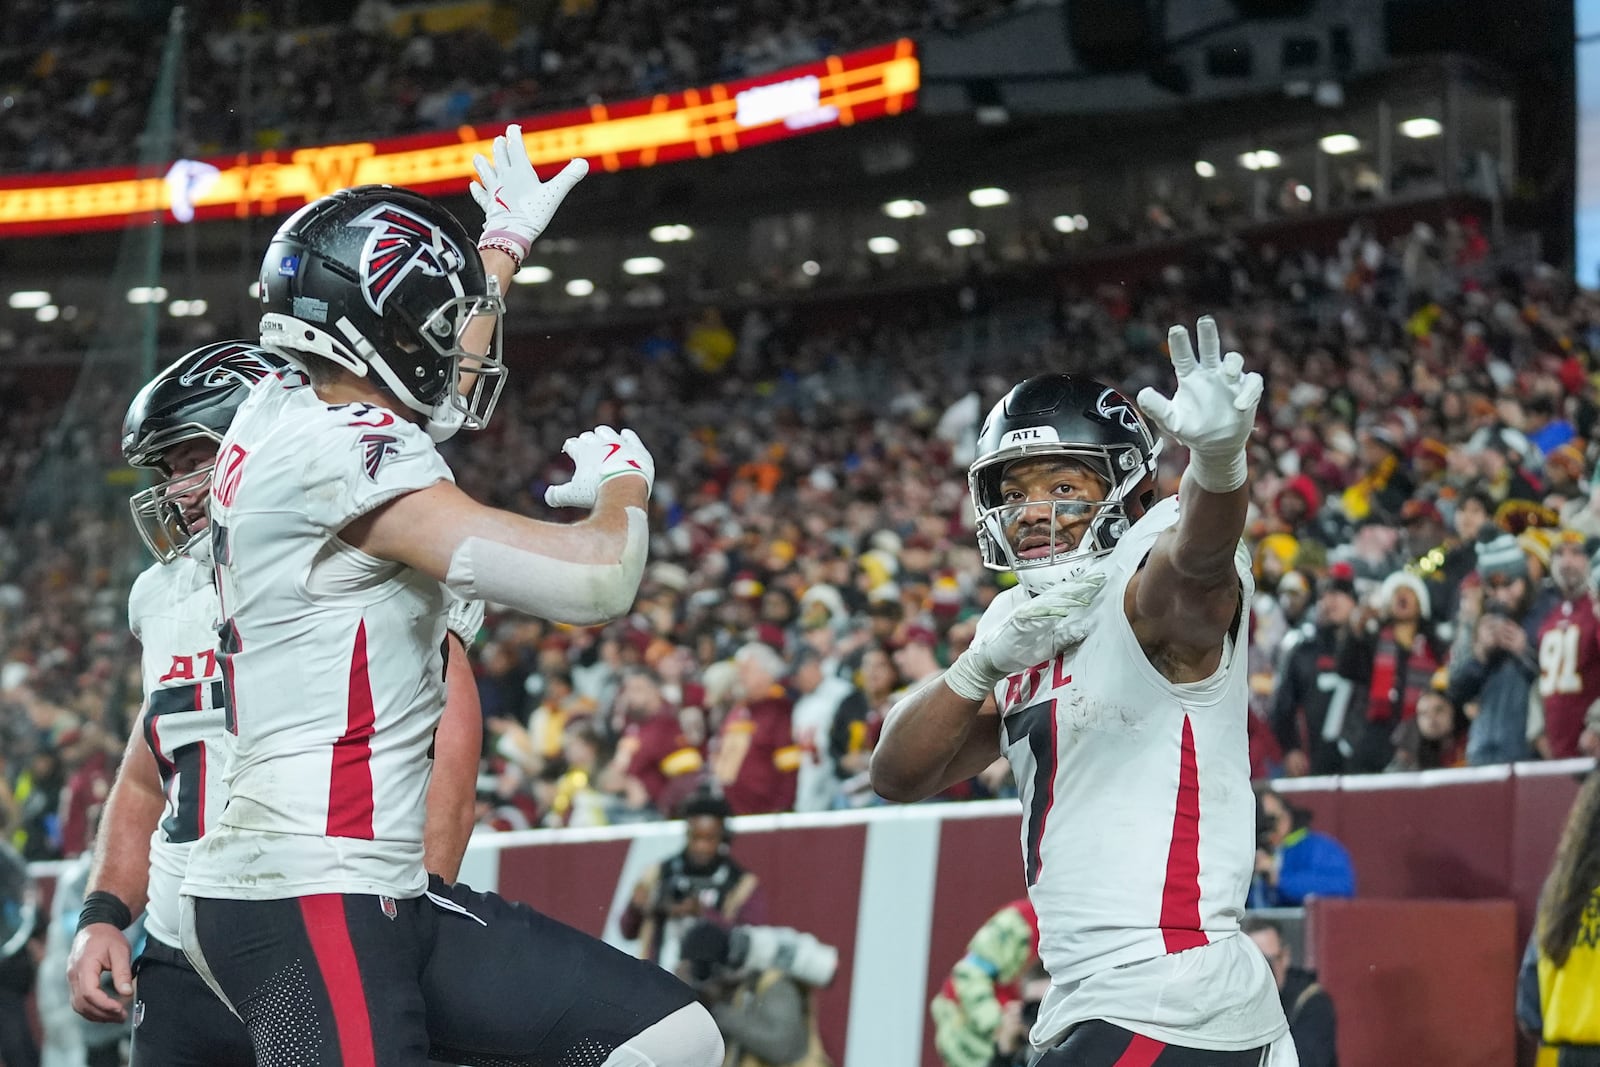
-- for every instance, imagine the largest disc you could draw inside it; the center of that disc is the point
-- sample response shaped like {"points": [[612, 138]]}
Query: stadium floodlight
{"points": [[532, 274], [988, 196], [905, 209], [670, 232], [147, 294], [28, 299], [1205, 168], [1083, 223], [1260, 159], [883, 246], [1302, 193], [811, 268], [964, 237], [643, 265], [48, 313], [178, 309], [580, 287], [254, 291], [1419, 128], [1338, 144], [1065, 224]]}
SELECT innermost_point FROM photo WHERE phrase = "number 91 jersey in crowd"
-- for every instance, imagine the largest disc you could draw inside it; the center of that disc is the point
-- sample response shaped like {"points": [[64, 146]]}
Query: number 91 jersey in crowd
{"points": [[172, 610], [333, 658], [1138, 818]]}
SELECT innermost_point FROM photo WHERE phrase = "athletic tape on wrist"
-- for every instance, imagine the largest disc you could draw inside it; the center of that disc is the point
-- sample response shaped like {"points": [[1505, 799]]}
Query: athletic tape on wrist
{"points": [[579, 594], [103, 907], [971, 676], [1217, 474]]}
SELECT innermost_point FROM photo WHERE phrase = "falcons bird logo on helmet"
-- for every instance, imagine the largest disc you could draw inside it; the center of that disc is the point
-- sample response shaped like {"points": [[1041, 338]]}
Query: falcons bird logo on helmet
{"points": [[400, 243], [229, 364]]}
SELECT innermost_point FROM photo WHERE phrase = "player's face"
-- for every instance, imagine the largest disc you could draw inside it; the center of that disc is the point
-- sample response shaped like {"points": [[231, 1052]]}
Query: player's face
{"points": [[184, 463], [1046, 502]]}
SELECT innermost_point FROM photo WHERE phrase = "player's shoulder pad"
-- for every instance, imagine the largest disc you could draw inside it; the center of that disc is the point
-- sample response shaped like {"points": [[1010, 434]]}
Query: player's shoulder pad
{"points": [[148, 591], [356, 456]]}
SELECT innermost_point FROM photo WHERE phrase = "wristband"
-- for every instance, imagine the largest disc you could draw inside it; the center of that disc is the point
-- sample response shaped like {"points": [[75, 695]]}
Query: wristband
{"points": [[103, 907], [512, 244]]}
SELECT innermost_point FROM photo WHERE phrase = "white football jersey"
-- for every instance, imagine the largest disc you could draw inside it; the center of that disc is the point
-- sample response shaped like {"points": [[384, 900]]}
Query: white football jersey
{"points": [[334, 659], [172, 610], [1138, 821]]}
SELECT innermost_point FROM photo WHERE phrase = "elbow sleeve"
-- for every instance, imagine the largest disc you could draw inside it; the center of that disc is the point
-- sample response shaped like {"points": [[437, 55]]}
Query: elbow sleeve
{"points": [[579, 594]]}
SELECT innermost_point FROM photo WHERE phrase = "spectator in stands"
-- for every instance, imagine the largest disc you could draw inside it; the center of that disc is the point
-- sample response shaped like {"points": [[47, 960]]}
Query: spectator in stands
{"points": [[1310, 697], [701, 882], [823, 699], [976, 999], [1564, 951], [1435, 737], [1391, 662], [1307, 1004], [1492, 663], [756, 760], [1568, 653], [654, 762], [1293, 861]]}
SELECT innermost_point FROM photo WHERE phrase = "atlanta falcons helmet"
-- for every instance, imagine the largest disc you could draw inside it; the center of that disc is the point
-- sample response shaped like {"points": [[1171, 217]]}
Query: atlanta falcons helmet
{"points": [[1071, 417], [194, 399], [383, 281]]}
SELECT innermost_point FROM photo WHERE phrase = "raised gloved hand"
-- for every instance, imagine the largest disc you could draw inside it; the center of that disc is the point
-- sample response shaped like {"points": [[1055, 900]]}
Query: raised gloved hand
{"points": [[517, 206], [1213, 411], [597, 455], [1040, 627]]}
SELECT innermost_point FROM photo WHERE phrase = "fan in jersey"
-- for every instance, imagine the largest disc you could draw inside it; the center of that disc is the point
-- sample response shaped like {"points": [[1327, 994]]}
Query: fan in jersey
{"points": [[337, 530], [169, 791], [1113, 678], [1569, 652]]}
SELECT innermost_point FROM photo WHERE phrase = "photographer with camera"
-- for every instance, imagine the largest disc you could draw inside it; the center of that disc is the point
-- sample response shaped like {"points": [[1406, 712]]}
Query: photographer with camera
{"points": [[1293, 861], [757, 982], [701, 882]]}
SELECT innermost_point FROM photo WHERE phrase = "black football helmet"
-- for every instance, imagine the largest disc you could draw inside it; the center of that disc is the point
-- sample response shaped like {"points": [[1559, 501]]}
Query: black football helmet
{"points": [[193, 399], [384, 280], [1068, 416]]}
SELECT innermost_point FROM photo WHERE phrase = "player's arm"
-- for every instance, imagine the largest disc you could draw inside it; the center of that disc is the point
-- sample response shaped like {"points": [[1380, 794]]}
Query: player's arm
{"points": [[121, 868], [932, 739], [1187, 594], [581, 573], [944, 731], [457, 748]]}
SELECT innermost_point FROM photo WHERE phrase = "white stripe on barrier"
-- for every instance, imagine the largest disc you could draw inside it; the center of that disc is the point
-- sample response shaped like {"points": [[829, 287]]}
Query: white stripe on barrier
{"points": [[893, 928]]}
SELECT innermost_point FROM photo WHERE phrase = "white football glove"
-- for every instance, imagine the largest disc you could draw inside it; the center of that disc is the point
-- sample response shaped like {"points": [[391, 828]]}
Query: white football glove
{"points": [[463, 617], [517, 206], [597, 455], [1040, 627], [1213, 411]]}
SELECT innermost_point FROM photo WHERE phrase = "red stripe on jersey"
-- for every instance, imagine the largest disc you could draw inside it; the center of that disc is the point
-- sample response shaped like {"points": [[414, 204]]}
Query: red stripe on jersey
{"points": [[1180, 895], [329, 933], [1141, 1052], [350, 780]]}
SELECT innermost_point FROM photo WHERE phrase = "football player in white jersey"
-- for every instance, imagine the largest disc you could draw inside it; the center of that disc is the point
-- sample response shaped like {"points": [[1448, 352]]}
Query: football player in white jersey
{"points": [[169, 790], [337, 528], [1113, 678]]}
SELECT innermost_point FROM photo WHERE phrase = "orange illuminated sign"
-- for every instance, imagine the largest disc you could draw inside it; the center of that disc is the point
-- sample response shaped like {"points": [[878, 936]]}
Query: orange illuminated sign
{"points": [[838, 91]]}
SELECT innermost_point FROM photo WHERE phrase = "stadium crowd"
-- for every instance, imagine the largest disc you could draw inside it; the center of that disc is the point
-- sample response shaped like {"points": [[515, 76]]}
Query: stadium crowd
{"points": [[1423, 521], [74, 78]]}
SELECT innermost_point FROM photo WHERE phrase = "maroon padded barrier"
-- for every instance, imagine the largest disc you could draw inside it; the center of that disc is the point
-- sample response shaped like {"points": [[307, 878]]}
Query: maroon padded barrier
{"points": [[1424, 983]]}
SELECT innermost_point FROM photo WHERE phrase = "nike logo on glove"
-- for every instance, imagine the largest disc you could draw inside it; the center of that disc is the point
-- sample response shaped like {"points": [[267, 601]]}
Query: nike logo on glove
{"points": [[615, 448]]}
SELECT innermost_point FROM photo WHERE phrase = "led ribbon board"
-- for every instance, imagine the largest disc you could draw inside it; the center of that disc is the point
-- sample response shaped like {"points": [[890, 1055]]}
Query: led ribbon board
{"points": [[696, 123]]}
